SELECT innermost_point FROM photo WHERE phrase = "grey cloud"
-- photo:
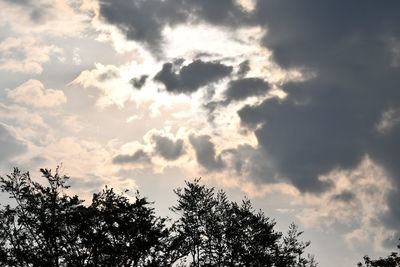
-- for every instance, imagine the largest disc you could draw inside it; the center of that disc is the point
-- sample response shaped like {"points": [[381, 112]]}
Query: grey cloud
{"points": [[345, 196], [327, 122], [38, 160], [246, 87], [109, 74], [144, 21], [205, 153], [38, 12], [139, 82], [191, 77], [18, 2], [222, 12], [251, 162], [244, 68], [90, 182], [10, 146], [139, 157], [330, 121], [167, 148]]}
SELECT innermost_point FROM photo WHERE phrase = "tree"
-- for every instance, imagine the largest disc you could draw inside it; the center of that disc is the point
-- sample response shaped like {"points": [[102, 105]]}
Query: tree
{"points": [[46, 227], [217, 232], [292, 250], [38, 230], [121, 233], [393, 260], [195, 202]]}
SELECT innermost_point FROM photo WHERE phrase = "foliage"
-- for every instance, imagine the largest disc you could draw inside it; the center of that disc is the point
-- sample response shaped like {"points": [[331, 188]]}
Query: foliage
{"points": [[44, 226], [48, 228], [393, 260], [217, 232]]}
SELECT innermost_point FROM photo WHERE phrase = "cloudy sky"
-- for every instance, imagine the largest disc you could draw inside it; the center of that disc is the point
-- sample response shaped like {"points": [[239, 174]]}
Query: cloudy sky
{"points": [[295, 104]]}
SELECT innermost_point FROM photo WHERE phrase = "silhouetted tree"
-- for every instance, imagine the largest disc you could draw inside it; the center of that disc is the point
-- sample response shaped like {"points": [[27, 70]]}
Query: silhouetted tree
{"points": [[393, 260], [122, 233], [38, 229], [195, 202], [292, 250], [43, 226], [217, 232]]}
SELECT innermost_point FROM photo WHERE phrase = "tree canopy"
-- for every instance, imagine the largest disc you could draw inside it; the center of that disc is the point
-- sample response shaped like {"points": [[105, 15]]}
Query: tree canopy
{"points": [[393, 260], [44, 226]]}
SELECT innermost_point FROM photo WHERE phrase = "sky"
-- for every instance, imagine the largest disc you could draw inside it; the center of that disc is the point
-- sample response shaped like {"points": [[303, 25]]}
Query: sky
{"points": [[295, 104]]}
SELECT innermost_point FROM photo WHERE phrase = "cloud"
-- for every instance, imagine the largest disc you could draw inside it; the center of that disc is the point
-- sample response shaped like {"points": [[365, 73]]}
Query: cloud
{"points": [[10, 145], [139, 82], [205, 153], [247, 161], [192, 76], [145, 21], [113, 87], [318, 126], [33, 93], [389, 119], [50, 17], [25, 54], [22, 116], [330, 121], [142, 21], [139, 157], [358, 200], [244, 68], [246, 87], [108, 73], [167, 148]]}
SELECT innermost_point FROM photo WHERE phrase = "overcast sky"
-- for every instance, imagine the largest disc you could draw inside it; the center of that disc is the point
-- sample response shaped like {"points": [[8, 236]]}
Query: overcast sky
{"points": [[295, 104]]}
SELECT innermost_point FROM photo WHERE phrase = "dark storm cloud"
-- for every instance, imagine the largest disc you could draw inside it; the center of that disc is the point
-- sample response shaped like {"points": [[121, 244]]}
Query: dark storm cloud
{"points": [[139, 82], [167, 148], [330, 121], [139, 156], [191, 77], [144, 20], [10, 146], [205, 153]]}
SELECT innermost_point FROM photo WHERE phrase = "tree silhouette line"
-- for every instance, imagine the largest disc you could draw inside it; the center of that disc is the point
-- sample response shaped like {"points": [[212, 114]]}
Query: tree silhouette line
{"points": [[44, 226]]}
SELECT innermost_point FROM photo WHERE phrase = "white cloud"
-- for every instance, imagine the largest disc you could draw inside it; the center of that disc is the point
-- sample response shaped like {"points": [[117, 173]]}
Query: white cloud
{"points": [[49, 17], [21, 116], [357, 200], [76, 57], [248, 5], [33, 93], [25, 54], [107, 79], [389, 119]]}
